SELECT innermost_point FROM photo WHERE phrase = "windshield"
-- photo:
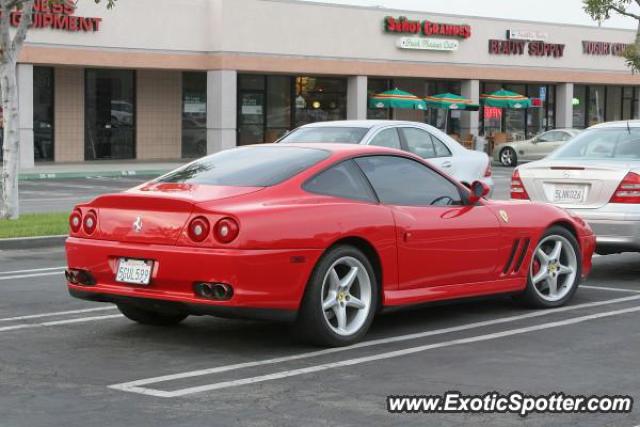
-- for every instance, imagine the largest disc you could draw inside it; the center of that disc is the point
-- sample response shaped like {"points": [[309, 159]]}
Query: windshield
{"points": [[345, 135], [247, 166], [602, 144]]}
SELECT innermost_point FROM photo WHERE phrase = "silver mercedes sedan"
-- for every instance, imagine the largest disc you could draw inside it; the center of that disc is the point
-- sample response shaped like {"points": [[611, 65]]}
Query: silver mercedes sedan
{"points": [[597, 176]]}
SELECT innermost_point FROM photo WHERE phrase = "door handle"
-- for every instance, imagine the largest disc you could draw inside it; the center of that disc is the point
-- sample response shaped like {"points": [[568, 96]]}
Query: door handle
{"points": [[447, 164]]}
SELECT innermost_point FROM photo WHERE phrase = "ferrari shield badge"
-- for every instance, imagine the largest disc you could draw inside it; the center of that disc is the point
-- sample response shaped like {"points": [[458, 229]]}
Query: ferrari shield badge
{"points": [[504, 215]]}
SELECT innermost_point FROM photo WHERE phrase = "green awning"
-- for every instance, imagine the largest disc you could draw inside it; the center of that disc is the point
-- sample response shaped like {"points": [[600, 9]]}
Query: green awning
{"points": [[450, 101]]}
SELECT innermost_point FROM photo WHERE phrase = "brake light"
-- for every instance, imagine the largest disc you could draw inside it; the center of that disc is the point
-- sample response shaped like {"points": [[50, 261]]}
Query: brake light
{"points": [[517, 187], [90, 222], [75, 220], [198, 229], [488, 172], [628, 191], [226, 230]]}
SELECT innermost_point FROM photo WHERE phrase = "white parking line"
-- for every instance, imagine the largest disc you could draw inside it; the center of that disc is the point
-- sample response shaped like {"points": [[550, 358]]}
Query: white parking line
{"points": [[32, 270], [129, 387], [605, 288], [55, 314], [134, 386], [58, 322], [26, 276]]}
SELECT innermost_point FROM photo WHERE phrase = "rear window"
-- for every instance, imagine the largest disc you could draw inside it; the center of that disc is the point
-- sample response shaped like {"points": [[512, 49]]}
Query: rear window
{"points": [[602, 144], [248, 166], [346, 135]]}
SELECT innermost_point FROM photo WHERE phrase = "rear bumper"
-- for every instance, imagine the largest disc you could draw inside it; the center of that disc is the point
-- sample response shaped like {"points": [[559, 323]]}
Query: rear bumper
{"points": [[616, 226], [262, 280]]}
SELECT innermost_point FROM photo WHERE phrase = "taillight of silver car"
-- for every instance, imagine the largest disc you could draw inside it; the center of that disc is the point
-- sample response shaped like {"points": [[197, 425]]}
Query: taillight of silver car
{"points": [[517, 187], [628, 191]]}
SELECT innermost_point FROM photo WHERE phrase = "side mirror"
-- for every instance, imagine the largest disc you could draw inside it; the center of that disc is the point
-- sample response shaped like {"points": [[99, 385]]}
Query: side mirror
{"points": [[478, 190]]}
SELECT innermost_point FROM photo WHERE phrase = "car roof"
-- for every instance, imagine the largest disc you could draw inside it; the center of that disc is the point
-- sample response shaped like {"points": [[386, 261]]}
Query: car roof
{"points": [[340, 149], [361, 123], [617, 124]]}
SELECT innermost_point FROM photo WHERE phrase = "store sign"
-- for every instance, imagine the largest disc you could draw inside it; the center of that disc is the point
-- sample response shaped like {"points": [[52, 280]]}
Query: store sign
{"points": [[419, 43], [402, 25], [58, 16], [519, 47], [528, 35], [603, 48]]}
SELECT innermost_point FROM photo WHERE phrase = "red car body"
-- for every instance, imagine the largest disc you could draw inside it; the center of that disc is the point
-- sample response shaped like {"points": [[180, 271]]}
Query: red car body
{"points": [[420, 254]]}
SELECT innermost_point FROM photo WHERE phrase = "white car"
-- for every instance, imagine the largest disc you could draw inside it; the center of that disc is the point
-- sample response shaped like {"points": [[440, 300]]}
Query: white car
{"points": [[510, 153], [426, 141], [597, 176]]}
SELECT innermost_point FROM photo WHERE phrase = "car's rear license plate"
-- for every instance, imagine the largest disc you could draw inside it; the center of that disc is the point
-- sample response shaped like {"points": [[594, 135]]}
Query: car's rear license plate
{"points": [[569, 193], [135, 271]]}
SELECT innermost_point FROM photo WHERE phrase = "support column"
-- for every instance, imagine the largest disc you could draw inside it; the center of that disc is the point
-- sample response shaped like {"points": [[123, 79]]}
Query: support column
{"points": [[564, 105], [470, 120], [357, 98], [222, 86], [25, 103]]}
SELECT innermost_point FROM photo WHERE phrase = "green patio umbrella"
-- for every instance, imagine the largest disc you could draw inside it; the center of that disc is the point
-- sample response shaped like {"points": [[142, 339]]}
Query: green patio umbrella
{"points": [[450, 101], [505, 99], [396, 99]]}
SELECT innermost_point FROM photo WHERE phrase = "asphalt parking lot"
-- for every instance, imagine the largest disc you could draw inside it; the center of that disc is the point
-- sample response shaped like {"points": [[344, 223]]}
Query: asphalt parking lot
{"points": [[73, 363]]}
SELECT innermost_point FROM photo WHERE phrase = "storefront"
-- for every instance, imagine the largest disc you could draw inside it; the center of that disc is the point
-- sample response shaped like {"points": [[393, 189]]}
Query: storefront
{"points": [[100, 85]]}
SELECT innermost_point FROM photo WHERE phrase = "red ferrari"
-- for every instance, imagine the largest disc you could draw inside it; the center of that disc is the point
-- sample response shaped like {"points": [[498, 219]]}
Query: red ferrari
{"points": [[322, 235]]}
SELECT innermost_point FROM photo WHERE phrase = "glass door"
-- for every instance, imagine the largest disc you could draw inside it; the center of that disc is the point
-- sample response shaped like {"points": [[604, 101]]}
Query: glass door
{"points": [[109, 115]]}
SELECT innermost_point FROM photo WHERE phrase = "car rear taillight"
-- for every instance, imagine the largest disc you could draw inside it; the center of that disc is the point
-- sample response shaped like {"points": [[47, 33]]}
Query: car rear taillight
{"points": [[90, 222], [517, 187], [628, 191], [75, 220], [226, 230], [198, 229], [488, 171]]}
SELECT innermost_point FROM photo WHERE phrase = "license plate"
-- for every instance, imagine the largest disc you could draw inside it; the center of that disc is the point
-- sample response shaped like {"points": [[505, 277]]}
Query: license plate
{"points": [[135, 271], [569, 194]]}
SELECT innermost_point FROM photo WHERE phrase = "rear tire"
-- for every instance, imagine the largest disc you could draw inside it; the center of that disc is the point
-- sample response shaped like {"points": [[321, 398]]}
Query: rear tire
{"points": [[508, 157], [555, 270], [150, 317], [340, 300]]}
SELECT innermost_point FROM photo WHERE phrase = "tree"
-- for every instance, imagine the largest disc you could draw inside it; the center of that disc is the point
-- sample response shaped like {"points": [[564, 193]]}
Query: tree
{"points": [[601, 10], [10, 48]]}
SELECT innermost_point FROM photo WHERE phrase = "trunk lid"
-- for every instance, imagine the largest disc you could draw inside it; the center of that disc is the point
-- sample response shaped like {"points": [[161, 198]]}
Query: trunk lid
{"points": [[574, 184], [155, 213]]}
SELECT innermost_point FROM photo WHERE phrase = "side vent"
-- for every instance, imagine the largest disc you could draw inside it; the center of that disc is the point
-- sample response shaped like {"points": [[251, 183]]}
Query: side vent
{"points": [[516, 256]]}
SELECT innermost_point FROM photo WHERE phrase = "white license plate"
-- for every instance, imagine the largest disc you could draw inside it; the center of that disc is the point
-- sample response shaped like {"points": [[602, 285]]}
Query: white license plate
{"points": [[569, 194], [134, 271]]}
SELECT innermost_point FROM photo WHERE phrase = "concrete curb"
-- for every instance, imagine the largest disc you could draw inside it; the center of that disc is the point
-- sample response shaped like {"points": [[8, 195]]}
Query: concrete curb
{"points": [[32, 242], [69, 175]]}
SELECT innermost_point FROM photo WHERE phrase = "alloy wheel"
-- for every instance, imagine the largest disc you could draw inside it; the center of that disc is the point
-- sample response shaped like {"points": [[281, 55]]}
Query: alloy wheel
{"points": [[506, 157], [554, 268], [346, 296]]}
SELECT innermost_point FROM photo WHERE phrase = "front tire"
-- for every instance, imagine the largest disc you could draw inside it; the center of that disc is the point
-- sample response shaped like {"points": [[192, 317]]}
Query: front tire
{"points": [[150, 317], [508, 157], [554, 271], [340, 300]]}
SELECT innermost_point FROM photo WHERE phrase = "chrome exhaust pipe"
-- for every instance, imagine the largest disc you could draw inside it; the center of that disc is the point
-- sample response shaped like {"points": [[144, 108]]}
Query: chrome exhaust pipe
{"points": [[214, 291]]}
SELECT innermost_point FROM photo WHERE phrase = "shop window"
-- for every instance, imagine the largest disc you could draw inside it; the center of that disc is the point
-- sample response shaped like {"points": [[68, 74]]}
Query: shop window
{"points": [[43, 113], [579, 106], [614, 103], [627, 102], [596, 105], [194, 115], [109, 114], [375, 86], [278, 107], [319, 99]]}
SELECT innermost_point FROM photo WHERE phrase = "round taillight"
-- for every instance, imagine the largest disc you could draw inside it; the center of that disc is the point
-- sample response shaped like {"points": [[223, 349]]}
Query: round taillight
{"points": [[198, 229], [75, 220], [90, 222], [226, 230]]}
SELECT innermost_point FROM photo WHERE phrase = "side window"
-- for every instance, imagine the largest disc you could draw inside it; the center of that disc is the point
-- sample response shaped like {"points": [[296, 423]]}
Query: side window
{"points": [[419, 142], [406, 182], [441, 149], [550, 136], [341, 180], [565, 136], [387, 138]]}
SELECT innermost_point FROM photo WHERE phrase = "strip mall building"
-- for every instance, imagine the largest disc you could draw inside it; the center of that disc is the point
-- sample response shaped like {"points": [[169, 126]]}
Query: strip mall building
{"points": [[171, 79]]}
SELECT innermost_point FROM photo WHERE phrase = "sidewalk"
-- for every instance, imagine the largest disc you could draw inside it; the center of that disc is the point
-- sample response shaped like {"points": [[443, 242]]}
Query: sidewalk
{"points": [[99, 168]]}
